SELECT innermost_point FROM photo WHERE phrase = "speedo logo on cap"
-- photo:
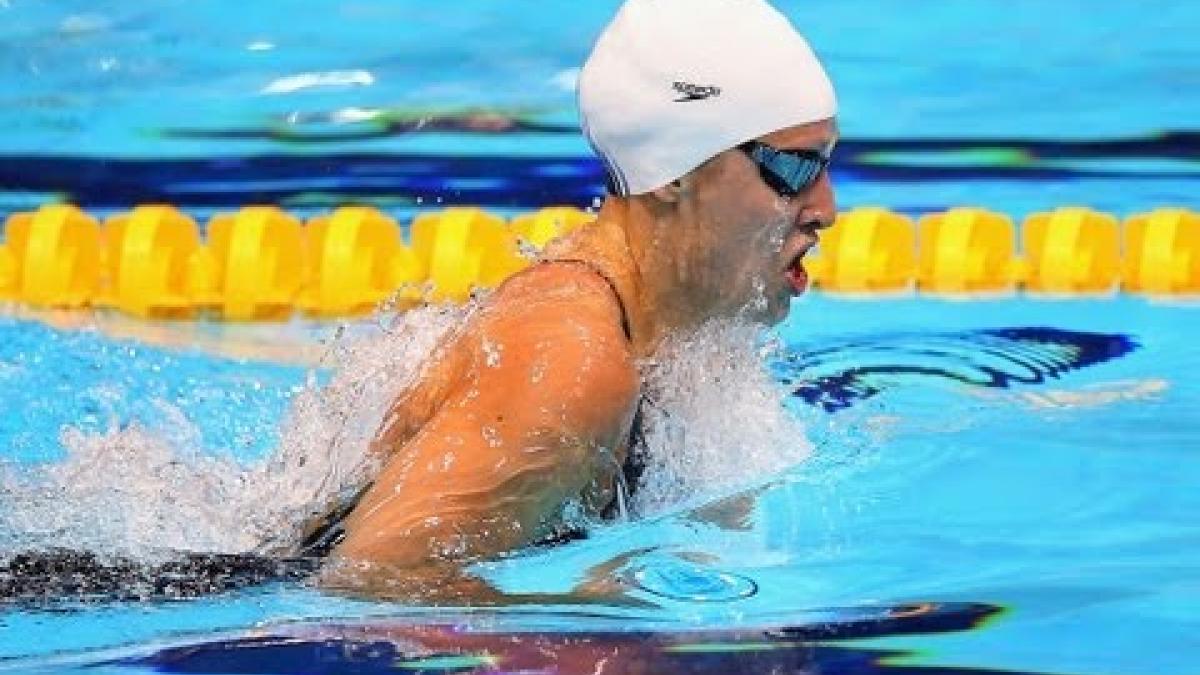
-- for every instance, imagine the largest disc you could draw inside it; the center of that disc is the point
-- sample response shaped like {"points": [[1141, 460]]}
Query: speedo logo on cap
{"points": [[694, 92]]}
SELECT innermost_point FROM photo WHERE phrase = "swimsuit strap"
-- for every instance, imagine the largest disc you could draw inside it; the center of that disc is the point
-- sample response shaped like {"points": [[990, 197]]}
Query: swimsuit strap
{"points": [[625, 324], [635, 464]]}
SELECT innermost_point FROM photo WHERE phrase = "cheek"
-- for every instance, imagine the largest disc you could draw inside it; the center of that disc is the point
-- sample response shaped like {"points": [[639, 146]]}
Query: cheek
{"points": [[742, 263], [775, 228], [745, 226], [743, 232], [764, 237]]}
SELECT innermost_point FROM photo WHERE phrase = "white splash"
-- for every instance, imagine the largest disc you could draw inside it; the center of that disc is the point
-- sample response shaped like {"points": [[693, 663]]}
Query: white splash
{"points": [[151, 493], [353, 115], [713, 418], [128, 491], [715, 421], [333, 78]]}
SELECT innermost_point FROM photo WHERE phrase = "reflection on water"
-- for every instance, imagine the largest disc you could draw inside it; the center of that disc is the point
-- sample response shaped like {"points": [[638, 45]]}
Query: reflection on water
{"points": [[836, 376], [471, 645]]}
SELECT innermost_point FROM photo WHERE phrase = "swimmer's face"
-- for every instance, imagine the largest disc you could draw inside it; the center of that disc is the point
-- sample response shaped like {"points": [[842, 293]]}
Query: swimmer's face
{"points": [[746, 254]]}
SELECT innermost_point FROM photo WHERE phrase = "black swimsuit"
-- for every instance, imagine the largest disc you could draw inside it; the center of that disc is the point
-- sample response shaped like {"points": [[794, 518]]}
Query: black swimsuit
{"points": [[330, 530]]}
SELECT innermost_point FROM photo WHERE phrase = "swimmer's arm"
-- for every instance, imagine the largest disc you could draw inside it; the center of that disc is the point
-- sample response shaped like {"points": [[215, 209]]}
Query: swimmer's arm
{"points": [[447, 584], [418, 404], [537, 420]]}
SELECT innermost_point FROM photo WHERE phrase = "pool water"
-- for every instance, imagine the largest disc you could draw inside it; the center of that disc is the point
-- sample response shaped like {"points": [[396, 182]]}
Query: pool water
{"points": [[997, 103], [1070, 502], [1033, 454]]}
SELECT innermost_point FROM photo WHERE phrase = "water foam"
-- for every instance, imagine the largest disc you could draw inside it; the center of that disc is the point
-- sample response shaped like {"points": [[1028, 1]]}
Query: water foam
{"points": [[713, 420], [150, 493]]}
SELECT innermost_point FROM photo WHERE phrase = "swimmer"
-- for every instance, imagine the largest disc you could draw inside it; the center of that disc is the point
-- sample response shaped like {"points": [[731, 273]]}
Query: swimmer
{"points": [[716, 122]]}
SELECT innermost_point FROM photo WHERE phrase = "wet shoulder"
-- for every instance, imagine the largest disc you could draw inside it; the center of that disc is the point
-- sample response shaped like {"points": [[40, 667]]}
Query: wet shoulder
{"points": [[558, 295], [557, 326]]}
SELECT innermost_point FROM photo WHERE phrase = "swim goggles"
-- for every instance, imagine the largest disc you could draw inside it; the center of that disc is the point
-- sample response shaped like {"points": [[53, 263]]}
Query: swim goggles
{"points": [[788, 172]]}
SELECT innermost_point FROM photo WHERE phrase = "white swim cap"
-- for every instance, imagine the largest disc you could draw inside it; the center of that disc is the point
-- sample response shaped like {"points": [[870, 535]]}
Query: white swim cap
{"points": [[672, 83]]}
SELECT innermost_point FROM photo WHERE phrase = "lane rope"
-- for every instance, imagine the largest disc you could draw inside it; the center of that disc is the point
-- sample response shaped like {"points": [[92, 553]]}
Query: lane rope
{"points": [[262, 263]]}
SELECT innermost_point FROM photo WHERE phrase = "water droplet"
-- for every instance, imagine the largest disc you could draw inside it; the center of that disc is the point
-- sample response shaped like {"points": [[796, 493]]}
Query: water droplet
{"points": [[527, 250], [538, 372], [492, 437], [492, 352]]}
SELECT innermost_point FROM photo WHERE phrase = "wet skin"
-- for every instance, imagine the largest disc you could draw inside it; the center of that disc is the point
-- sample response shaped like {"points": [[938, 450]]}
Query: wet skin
{"points": [[529, 405]]}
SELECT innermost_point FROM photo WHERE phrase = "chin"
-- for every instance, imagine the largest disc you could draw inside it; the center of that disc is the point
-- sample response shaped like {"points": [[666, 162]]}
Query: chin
{"points": [[780, 311]]}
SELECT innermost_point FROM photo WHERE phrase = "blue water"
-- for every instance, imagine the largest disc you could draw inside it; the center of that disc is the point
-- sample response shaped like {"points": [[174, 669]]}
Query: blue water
{"points": [[1071, 502], [304, 90]]}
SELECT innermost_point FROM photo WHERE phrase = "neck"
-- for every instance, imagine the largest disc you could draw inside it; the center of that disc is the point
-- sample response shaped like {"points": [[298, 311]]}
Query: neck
{"points": [[625, 244]]}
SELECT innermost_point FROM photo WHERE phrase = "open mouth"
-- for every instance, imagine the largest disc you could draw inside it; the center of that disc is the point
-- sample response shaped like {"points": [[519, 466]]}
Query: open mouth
{"points": [[796, 275]]}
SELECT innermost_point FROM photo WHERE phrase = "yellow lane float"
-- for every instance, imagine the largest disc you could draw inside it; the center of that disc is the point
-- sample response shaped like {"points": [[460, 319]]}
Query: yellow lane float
{"points": [[542, 227], [461, 248], [1162, 252], [261, 263], [1072, 250], [867, 250], [967, 250], [53, 257], [147, 256], [356, 259], [254, 267]]}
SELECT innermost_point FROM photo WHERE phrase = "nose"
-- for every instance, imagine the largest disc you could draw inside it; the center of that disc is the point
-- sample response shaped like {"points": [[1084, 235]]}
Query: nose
{"points": [[819, 208]]}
